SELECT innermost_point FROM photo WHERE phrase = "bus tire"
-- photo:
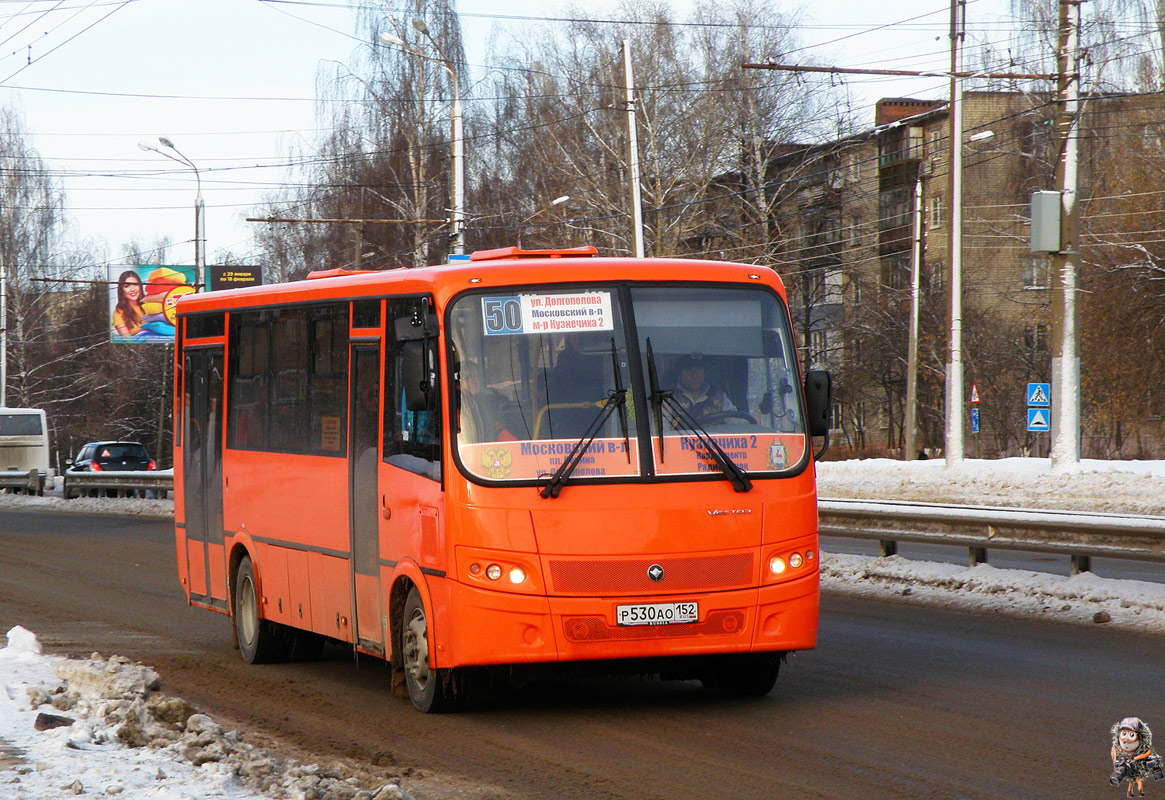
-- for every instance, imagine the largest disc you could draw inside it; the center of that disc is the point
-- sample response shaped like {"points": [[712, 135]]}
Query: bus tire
{"points": [[259, 640], [428, 687]]}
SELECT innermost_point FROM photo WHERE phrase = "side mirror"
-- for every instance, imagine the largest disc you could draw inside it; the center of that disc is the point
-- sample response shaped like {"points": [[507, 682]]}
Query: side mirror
{"points": [[818, 393], [419, 375]]}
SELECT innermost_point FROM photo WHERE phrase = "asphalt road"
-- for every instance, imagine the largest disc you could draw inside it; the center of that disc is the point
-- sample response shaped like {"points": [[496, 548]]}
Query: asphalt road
{"points": [[897, 701]]}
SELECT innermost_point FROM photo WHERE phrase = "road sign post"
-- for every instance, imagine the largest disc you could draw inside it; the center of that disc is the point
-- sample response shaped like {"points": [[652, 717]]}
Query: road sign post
{"points": [[1039, 409]]}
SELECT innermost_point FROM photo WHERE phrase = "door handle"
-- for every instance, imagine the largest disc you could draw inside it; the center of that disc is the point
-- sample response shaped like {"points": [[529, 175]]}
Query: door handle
{"points": [[385, 511]]}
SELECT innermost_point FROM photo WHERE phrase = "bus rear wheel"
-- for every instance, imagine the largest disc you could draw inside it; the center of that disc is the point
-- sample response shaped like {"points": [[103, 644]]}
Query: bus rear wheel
{"points": [[429, 688], [259, 640]]}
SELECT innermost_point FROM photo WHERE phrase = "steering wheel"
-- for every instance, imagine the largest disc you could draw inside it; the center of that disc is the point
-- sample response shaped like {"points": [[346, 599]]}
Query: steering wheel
{"points": [[723, 416]]}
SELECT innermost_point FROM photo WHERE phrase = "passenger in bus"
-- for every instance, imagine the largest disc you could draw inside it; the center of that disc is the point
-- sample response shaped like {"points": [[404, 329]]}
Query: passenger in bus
{"points": [[694, 392], [127, 315], [483, 409]]}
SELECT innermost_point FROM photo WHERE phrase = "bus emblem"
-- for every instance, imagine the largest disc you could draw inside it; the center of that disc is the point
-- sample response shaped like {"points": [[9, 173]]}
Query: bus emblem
{"points": [[655, 572]]}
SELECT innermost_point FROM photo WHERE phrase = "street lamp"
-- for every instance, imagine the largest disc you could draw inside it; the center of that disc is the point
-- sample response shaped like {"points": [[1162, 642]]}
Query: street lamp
{"points": [[555, 202], [457, 181], [199, 233]]}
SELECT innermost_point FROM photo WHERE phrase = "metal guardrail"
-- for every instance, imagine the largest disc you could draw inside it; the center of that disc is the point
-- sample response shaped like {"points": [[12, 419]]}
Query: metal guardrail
{"points": [[31, 482], [1078, 534], [82, 484]]}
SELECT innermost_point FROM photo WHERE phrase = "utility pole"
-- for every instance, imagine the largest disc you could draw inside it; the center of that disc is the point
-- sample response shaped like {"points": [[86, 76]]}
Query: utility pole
{"points": [[1066, 262], [911, 444], [633, 155], [3, 332], [954, 404]]}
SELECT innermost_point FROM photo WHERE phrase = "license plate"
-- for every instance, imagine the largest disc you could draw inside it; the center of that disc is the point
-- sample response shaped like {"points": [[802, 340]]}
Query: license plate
{"points": [[657, 613]]}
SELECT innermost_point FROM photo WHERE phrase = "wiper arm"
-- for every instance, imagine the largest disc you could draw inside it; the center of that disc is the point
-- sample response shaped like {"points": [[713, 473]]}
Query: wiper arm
{"points": [[615, 397], [740, 479], [622, 390], [658, 396]]}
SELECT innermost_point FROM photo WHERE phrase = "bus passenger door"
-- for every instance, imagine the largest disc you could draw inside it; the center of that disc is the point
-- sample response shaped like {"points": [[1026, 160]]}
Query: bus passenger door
{"points": [[363, 465], [202, 467]]}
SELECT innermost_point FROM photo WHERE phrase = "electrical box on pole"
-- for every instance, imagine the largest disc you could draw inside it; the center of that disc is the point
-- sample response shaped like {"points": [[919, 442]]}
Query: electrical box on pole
{"points": [[1046, 222]]}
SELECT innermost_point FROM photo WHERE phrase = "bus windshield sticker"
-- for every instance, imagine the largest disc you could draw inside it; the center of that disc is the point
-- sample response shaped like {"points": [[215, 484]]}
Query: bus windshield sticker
{"points": [[533, 459], [547, 313]]}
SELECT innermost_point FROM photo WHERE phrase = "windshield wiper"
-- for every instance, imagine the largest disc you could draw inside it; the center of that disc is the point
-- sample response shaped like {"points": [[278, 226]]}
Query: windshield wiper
{"points": [[622, 390], [740, 480], [658, 395], [615, 398], [660, 398]]}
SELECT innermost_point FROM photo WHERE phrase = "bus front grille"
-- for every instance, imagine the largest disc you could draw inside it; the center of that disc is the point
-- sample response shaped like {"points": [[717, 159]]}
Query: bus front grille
{"points": [[630, 576]]}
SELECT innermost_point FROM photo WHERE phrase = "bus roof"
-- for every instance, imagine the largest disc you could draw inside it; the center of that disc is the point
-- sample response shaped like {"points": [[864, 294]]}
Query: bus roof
{"points": [[499, 268]]}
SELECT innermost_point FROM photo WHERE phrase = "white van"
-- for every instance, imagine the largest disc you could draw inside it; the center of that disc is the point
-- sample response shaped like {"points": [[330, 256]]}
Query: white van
{"points": [[24, 441]]}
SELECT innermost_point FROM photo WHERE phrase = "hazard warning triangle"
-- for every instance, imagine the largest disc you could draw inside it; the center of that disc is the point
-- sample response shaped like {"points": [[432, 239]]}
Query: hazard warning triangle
{"points": [[974, 393]]}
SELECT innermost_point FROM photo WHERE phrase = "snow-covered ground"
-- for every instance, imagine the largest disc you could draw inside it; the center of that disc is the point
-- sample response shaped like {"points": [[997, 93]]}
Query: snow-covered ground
{"points": [[1129, 487], [123, 738], [98, 727]]}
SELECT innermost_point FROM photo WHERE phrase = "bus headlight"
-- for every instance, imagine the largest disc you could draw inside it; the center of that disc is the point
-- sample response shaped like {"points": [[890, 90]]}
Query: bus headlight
{"points": [[795, 560], [776, 565], [498, 570]]}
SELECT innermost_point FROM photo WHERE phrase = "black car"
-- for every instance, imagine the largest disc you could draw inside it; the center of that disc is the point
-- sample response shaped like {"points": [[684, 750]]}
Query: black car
{"points": [[112, 457]]}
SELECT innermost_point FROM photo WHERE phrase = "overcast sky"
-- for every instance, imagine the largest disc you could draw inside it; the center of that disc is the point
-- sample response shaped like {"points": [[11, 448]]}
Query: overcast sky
{"points": [[232, 84]]}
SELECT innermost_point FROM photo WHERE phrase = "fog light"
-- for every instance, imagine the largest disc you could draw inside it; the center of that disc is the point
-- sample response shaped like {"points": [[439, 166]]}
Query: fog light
{"points": [[475, 569], [795, 560], [517, 575], [808, 555], [493, 572], [776, 565]]}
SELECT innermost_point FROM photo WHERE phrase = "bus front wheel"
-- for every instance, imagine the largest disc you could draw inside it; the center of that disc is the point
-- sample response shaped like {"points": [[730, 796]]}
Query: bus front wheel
{"points": [[259, 642], [428, 687]]}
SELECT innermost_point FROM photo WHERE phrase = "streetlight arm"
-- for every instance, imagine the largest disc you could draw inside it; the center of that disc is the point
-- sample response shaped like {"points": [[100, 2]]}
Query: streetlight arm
{"points": [[180, 157]]}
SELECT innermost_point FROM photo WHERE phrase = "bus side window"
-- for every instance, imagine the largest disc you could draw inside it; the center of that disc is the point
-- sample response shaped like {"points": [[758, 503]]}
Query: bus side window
{"points": [[412, 439]]}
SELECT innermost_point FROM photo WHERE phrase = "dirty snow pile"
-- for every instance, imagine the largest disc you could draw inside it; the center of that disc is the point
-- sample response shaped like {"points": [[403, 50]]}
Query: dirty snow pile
{"points": [[1128, 487], [1084, 598], [54, 500], [1119, 487], [99, 726]]}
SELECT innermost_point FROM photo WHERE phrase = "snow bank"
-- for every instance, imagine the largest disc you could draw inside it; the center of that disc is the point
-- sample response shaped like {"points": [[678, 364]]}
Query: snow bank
{"points": [[1084, 598], [1128, 487], [100, 726], [54, 501]]}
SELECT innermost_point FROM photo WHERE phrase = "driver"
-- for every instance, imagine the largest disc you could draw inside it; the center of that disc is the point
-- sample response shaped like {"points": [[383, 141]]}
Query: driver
{"points": [[694, 392]]}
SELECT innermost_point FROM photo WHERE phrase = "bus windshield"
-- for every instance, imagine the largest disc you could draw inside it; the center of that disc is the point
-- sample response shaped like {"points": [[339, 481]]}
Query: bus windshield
{"points": [[536, 371]]}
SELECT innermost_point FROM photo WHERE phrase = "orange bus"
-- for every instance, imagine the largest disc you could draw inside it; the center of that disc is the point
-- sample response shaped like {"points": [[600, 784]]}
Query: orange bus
{"points": [[521, 458]]}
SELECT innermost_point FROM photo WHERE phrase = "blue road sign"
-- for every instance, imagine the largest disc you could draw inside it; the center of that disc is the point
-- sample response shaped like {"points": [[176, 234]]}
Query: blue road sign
{"points": [[975, 420], [1039, 394], [1039, 420]]}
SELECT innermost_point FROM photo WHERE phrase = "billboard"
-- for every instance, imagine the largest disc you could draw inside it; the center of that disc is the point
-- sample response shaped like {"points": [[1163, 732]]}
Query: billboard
{"points": [[142, 298], [233, 277]]}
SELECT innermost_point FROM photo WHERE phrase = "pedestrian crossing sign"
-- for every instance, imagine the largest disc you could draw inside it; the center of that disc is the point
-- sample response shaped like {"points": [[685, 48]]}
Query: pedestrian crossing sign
{"points": [[1039, 394], [1039, 420]]}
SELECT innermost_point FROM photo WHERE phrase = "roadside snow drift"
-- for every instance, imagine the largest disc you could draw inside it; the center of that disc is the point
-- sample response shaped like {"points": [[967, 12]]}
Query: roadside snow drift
{"points": [[99, 726]]}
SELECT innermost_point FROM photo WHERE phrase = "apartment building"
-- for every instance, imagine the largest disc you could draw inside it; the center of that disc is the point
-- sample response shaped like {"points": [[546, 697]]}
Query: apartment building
{"points": [[843, 224]]}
